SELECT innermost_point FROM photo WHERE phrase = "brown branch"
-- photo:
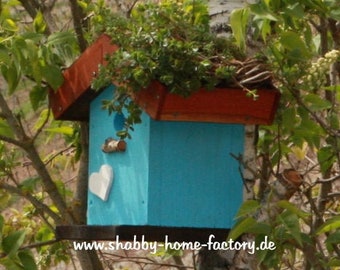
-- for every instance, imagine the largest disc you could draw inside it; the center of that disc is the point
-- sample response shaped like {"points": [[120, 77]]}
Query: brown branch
{"points": [[31, 6], [327, 180], [315, 25], [40, 207], [49, 186], [40, 129], [35, 245], [11, 141], [60, 152], [335, 32], [322, 124], [28, 146], [12, 121], [128, 13], [333, 195], [39, 244], [78, 17]]}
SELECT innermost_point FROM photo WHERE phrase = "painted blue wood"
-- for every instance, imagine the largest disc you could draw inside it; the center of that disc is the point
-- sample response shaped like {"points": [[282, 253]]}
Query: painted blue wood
{"points": [[172, 173]]}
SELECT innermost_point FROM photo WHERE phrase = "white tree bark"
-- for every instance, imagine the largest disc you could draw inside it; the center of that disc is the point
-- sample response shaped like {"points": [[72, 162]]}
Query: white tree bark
{"points": [[219, 12]]}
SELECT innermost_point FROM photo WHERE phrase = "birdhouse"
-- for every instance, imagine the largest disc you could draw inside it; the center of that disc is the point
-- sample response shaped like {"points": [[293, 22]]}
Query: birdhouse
{"points": [[172, 173], [177, 171]]}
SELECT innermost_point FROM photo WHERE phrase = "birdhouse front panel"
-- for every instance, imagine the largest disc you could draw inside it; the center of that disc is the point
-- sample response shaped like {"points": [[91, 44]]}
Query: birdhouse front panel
{"points": [[177, 174]]}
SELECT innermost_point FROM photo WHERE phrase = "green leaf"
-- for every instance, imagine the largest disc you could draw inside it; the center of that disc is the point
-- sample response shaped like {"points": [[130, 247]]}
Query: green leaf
{"points": [[329, 226], [82, 4], [289, 118], [36, 71], [66, 130], [11, 75], [41, 119], [37, 96], [309, 130], [61, 38], [34, 38], [241, 228], [316, 103], [294, 44], [2, 222], [12, 242], [39, 23], [291, 222], [334, 262], [295, 10], [122, 134], [326, 158], [5, 130], [266, 28], [293, 209], [44, 234], [27, 260], [5, 201], [265, 255], [53, 76], [332, 239], [335, 14], [262, 11], [4, 55], [10, 25], [29, 184], [248, 207], [238, 22], [259, 228], [10, 263], [320, 7]]}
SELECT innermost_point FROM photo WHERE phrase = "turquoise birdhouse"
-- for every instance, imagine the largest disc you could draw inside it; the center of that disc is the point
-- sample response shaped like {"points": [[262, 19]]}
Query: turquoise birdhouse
{"points": [[176, 174]]}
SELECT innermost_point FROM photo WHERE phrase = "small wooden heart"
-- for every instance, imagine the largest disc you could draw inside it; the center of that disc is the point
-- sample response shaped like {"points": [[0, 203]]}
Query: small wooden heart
{"points": [[100, 182]]}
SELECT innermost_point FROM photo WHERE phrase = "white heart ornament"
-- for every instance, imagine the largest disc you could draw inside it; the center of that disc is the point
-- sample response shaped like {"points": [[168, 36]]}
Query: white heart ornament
{"points": [[100, 182]]}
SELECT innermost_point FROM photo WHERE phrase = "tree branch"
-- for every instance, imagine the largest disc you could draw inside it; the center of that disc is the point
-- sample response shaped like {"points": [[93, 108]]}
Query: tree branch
{"points": [[12, 121], [11, 141], [78, 17], [40, 207], [35, 245], [331, 179], [40, 129], [28, 146], [30, 6]]}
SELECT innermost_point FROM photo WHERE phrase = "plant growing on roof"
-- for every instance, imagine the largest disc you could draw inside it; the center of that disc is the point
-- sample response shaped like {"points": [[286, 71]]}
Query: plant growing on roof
{"points": [[169, 42]]}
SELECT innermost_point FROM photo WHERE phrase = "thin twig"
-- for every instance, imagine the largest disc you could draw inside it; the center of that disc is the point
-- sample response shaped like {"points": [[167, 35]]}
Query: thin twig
{"points": [[40, 207], [42, 126], [328, 180], [31, 246], [49, 160], [11, 141]]}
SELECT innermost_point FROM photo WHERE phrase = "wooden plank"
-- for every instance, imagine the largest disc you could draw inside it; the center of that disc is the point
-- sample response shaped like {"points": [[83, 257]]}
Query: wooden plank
{"points": [[71, 101], [222, 105], [177, 174], [150, 233]]}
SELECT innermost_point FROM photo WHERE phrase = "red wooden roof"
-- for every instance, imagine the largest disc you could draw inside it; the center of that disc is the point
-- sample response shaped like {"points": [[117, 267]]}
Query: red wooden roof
{"points": [[71, 100]]}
